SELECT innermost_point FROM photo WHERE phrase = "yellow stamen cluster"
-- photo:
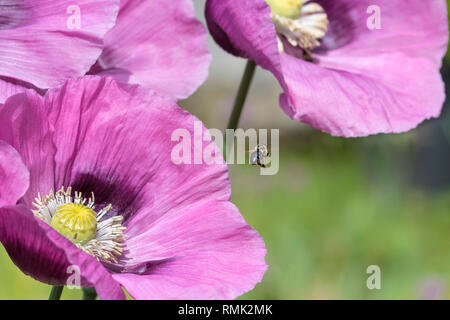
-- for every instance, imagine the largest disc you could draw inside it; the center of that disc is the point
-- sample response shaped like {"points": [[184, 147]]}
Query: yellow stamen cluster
{"points": [[75, 218], [76, 222], [286, 8]]}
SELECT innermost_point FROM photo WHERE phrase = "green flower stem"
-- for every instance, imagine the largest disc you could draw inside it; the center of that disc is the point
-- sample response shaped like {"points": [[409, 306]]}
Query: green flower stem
{"points": [[89, 293], [241, 96], [56, 292]]}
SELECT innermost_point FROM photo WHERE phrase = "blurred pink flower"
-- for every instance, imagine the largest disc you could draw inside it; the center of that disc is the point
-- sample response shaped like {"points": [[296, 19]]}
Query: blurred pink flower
{"points": [[432, 288]]}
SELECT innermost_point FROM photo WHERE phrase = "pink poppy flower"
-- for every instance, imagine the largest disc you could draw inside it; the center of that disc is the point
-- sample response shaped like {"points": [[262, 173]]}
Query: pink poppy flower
{"points": [[87, 180], [349, 68]]}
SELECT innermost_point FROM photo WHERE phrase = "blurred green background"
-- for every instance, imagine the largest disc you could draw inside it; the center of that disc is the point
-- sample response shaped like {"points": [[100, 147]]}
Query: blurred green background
{"points": [[336, 206]]}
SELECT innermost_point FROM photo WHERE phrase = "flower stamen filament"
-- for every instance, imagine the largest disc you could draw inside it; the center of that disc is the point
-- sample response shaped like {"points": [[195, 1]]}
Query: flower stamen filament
{"points": [[299, 24], [76, 219]]}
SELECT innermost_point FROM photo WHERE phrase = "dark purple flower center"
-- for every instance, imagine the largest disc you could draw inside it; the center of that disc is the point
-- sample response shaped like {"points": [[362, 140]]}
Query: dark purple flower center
{"points": [[109, 189]]}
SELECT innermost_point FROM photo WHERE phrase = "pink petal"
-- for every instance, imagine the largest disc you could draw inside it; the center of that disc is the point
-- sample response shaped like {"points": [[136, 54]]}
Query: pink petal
{"points": [[158, 44], [38, 46], [14, 176], [98, 135], [245, 29], [25, 125], [203, 252], [8, 89]]}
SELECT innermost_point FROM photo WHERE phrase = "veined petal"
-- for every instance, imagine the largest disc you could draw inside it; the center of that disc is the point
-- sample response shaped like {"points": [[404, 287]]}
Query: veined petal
{"points": [[46, 42], [8, 89], [13, 175], [358, 104], [158, 44], [244, 28], [363, 80], [203, 252], [117, 140]]}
